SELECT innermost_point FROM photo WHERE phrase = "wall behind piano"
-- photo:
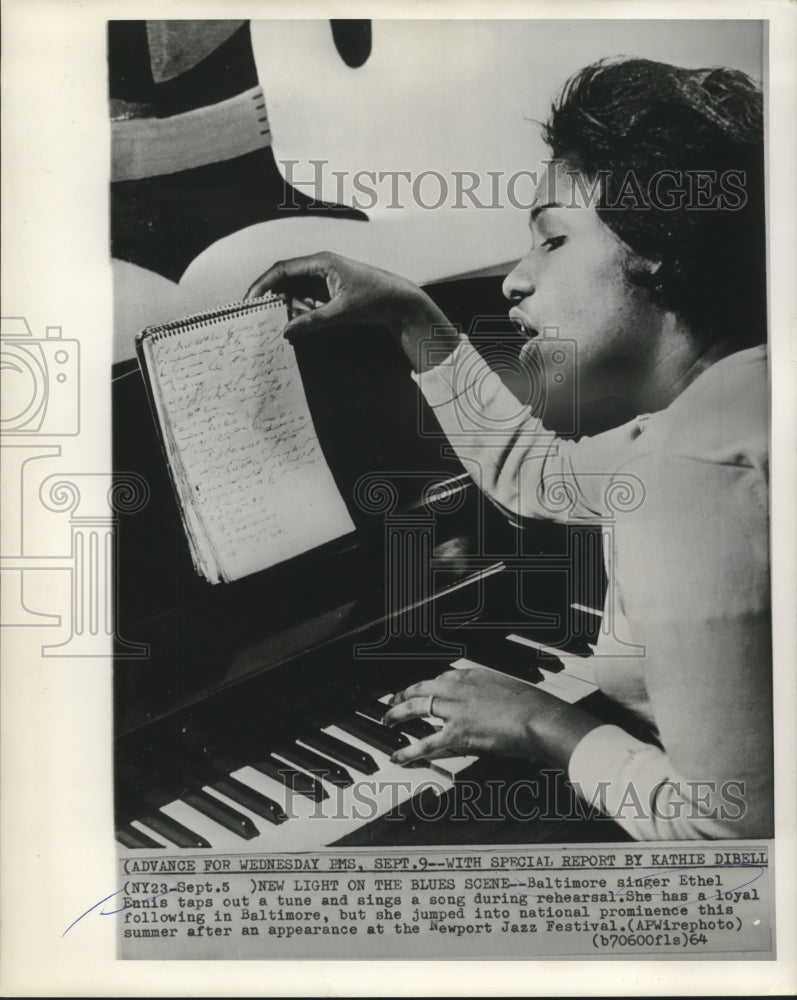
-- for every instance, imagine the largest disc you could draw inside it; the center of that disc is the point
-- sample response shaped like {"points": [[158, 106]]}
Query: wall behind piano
{"points": [[431, 96]]}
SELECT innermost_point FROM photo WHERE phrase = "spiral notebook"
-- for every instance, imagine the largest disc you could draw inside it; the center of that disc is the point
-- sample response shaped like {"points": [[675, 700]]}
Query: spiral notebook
{"points": [[252, 483]]}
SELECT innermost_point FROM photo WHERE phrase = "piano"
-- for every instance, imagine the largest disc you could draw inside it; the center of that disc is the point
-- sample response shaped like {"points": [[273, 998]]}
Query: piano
{"points": [[247, 715]]}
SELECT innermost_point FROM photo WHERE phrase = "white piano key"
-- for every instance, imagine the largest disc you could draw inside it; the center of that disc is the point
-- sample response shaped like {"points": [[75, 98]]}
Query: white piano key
{"points": [[279, 836], [260, 822], [296, 806], [567, 689], [584, 669], [323, 808], [575, 666], [573, 688], [271, 837], [215, 834], [560, 654], [310, 824], [262, 783], [149, 832], [586, 609], [451, 763]]}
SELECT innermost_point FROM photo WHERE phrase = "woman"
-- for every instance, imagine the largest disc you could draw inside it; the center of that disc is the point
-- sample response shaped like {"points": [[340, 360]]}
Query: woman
{"points": [[647, 251]]}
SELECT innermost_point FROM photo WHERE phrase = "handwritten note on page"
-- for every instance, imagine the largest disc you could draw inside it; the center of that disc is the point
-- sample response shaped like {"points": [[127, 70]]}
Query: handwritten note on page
{"points": [[253, 484]]}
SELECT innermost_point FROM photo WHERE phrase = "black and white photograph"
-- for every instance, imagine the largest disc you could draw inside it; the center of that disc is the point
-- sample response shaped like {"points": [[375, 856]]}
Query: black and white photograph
{"points": [[430, 570], [439, 548]]}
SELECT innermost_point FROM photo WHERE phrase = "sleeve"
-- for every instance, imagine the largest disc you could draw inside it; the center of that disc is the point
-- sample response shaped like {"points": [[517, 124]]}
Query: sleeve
{"points": [[635, 783], [522, 467], [695, 590]]}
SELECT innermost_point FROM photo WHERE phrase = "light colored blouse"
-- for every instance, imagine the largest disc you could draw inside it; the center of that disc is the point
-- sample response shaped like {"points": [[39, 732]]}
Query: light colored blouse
{"points": [[686, 645]]}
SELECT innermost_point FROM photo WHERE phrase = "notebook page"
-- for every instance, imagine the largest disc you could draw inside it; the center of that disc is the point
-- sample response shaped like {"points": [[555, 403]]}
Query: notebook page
{"points": [[238, 424]]}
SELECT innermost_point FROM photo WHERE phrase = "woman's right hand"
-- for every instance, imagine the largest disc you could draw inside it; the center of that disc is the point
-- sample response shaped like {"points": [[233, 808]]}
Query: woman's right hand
{"points": [[358, 293]]}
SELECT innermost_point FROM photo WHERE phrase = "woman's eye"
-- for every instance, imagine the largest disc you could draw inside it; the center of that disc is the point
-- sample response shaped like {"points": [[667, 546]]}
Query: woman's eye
{"points": [[554, 242]]}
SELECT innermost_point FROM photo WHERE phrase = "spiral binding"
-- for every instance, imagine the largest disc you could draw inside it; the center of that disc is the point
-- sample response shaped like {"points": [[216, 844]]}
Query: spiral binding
{"points": [[210, 316]]}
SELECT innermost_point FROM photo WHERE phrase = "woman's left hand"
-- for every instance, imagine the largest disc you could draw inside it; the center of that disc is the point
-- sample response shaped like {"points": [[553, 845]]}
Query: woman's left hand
{"points": [[482, 712]]}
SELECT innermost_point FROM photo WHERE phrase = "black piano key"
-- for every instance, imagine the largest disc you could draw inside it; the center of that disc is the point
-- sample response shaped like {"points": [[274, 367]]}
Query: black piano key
{"points": [[419, 728], [253, 800], [171, 830], [374, 733], [221, 813], [297, 781], [132, 804], [412, 727], [187, 774], [129, 836], [348, 755], [550, 663], [508, 657], [317, 765], [371, 707]]}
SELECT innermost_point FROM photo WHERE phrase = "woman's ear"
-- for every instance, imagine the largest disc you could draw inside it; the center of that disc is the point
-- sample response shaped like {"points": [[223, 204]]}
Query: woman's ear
{"points": [[656, 277], [645, 272]]}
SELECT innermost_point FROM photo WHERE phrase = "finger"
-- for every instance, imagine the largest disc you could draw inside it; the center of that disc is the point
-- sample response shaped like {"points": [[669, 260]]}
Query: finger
{"points": [[426, 749], [413, 708], [418, 690], [298, 307], [423, 689], [440, 685], [315, 319], [280, 276]]}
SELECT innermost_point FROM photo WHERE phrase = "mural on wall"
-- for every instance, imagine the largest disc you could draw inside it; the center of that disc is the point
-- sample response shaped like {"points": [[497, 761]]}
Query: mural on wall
{"points": [[192, 156]]}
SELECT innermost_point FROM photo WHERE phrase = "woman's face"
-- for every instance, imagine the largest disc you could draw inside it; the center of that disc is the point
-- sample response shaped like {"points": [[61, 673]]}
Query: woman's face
{"points": [[572, 285]]}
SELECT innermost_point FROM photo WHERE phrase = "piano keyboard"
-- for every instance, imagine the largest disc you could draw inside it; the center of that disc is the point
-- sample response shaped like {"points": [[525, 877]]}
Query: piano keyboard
{"points": [[331, 783]]}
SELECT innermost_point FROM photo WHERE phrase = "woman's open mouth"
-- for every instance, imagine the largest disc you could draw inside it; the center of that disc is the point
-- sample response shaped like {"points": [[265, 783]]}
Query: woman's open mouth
{"points": [[521, 324]]}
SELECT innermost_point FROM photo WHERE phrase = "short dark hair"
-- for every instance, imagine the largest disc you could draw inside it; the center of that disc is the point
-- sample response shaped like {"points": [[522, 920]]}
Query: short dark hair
{"points": [[635, 118]]}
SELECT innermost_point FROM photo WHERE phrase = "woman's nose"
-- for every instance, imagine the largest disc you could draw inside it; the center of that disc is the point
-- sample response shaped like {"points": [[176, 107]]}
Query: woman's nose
{"points": [[520, 281]]}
